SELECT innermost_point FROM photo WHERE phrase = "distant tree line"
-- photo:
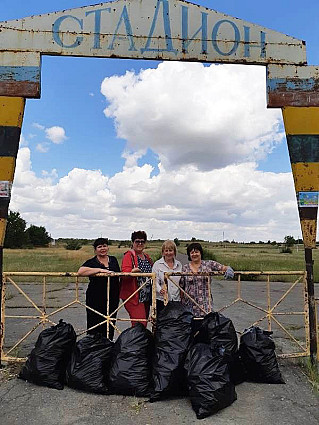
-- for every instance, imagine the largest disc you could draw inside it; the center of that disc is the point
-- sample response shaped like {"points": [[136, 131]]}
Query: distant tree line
{"points": [[18, 235]]}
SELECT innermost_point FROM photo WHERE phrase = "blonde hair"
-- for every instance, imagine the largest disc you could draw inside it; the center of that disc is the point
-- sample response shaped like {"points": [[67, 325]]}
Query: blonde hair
{"points": [[169, 244]]}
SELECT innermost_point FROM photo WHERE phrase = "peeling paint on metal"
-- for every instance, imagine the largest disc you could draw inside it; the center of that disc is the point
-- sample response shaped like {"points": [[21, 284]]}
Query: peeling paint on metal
{"points": [[308, 213], [298, 99], [301, 120], [151, 29], [9, 140], [284, 84], [306, 176], [20, 73], [3, 223], [11, 111], [25, 89], [309, 232], [292, 86], [7, 167], [303, 148]]}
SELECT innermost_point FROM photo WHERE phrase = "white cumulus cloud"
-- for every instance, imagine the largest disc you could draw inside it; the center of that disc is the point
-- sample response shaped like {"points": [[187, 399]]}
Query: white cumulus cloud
{"points": [[209, 127], [244, 203], [56, 134], [42, 147], [188, 113]]}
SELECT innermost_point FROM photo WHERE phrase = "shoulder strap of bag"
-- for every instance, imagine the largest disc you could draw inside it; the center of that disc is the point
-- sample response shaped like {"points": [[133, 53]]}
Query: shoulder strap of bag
{"points": [[133, 258]]}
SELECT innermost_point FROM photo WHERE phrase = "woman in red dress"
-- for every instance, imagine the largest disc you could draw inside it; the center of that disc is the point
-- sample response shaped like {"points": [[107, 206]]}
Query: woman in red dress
{"points": [[136, 261]]}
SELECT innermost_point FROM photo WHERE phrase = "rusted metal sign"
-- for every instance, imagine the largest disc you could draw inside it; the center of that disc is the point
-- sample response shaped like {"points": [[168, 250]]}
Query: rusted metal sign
{"points": [[291, 85], [151, 29]]}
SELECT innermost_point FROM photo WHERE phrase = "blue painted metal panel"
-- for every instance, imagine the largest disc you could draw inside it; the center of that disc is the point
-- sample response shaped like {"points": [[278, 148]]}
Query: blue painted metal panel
{"points": [[20, 73], [307, 84]]}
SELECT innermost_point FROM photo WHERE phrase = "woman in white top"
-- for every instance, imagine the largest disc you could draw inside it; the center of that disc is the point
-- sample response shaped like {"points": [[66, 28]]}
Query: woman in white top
{"points": [[167, 263]]}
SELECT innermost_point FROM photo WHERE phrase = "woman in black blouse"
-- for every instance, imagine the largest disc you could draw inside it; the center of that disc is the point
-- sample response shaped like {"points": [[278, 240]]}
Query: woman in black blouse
{"points": [[96, 294]]}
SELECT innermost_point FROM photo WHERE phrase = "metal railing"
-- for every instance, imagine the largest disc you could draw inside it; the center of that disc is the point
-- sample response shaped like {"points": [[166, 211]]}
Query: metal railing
{"points": [[317, 322], [43, 317], [269, 312], [45, 310]]}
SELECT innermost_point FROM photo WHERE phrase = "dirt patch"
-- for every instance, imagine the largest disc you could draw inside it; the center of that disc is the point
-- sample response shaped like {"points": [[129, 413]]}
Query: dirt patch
{"points": [[9, 372]]}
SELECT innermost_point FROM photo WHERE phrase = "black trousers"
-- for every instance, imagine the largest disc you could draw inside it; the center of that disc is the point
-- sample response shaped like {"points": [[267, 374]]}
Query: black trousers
{"points": [[96, 298]]}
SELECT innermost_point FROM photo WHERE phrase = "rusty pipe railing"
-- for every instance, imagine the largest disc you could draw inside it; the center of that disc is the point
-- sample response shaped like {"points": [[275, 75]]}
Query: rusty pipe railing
{"points": [[270, 313], [46, 317]]}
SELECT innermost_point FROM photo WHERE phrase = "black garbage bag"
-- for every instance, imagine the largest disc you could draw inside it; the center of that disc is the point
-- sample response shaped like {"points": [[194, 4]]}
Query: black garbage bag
{"points": [[219, 330], [257, 351], [90, 362], [173, 337], [210, 387], [237, 370], [130, 372], [47, 362]]}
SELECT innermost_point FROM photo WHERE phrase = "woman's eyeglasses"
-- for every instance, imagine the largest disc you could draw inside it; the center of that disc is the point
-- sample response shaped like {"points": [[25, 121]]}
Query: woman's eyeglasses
{"points": [[139, 241]]}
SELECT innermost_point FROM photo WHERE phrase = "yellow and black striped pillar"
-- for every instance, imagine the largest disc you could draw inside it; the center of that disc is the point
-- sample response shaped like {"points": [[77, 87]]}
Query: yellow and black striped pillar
{"points": [[11, 116], [302, 130]]}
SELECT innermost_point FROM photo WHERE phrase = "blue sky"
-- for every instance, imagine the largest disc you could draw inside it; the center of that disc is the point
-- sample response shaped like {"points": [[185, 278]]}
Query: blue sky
{"points": [[70, 141]]}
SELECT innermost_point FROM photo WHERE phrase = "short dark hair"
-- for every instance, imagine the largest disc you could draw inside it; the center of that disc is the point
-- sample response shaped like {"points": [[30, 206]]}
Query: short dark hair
{"points": [[139, 234], [100, 241], [194, 245]]}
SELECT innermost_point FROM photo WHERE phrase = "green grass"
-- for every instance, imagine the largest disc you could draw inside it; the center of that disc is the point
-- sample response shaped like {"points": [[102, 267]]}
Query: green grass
{"points": [[253, 257], [312, 373], [263, 257], [56, 259]]}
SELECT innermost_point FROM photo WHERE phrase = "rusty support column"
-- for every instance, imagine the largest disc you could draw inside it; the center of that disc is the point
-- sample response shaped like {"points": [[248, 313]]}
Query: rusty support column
{"points": [[302, 129], [11, 116], [312, 306], [1, 285]]}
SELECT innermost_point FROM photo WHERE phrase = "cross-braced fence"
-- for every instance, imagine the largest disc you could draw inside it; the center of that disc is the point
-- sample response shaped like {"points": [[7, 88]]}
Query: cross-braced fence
{"points": [[254, 298], [282, 305], [34, 296]]}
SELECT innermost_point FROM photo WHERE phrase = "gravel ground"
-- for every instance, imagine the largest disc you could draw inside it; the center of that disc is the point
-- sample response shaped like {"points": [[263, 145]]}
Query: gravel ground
{"points": [[295, 403], [257, 404]]}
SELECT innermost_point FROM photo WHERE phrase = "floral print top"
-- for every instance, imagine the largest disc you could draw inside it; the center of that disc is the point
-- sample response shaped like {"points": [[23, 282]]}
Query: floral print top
{"points": [[197, 287]]}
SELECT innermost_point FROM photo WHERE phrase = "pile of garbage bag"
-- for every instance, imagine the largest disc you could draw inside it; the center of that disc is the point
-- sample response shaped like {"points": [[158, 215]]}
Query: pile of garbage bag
{"points": [[46, 365], [174, 361], [210, 386], [257, 351], [89, 364], [130, 370], [172, 342], [219, 330]]}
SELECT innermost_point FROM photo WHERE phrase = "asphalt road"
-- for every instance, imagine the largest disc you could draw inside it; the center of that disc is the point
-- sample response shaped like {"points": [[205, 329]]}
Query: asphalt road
{"points": [[294, 403]]}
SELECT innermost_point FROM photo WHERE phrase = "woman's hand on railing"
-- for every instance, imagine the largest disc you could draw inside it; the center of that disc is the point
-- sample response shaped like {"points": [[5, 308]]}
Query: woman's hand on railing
{"points": [[229, 273], [136, 270], [163, 291]]}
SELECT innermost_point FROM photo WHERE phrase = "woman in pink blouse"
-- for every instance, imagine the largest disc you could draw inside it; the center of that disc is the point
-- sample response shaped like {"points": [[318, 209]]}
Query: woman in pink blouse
{"points": [[197, 286]]}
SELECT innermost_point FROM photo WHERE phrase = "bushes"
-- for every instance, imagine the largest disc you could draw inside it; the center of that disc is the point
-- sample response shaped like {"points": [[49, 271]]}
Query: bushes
{"points": [[73, 245], [286, 250], [208, 255]]}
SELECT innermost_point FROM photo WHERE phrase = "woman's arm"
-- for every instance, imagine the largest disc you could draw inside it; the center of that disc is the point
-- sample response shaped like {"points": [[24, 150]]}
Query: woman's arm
{"points": [[227, 270], [159, 282], [214, 266], [89, 271]]}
